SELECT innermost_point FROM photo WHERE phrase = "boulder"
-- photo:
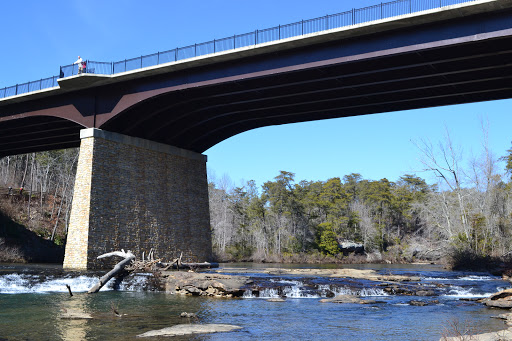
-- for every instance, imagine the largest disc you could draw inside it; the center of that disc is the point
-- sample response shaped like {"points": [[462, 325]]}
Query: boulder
{"points": [[425, 293], [276, 299], [187, 329], [499, 303], [348, 246], [502, 299], [418, 303], [188, 315], [501, 294], [204, 284], [394, 289], [347, 299]]}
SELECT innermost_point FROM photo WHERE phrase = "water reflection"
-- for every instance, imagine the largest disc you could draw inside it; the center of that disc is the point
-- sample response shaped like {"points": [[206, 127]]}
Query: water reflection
{"points": [[73, 318]]}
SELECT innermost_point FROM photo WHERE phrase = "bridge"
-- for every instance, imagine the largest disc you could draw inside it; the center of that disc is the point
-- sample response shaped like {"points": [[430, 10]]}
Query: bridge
{"points": [[141, 178]]}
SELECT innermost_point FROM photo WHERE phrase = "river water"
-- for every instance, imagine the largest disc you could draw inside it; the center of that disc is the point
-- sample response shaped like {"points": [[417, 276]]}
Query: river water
{"points": [[33, 296]]}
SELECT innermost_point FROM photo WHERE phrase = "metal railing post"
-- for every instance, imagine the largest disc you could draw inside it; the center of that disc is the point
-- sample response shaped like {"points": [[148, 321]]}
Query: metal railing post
{"points": [[176, 54], [16, 92], [141, 62], [302, 26], [279, 32], [125, 65], [327, 22], [256, 37], [353, 17], [195, 50]]}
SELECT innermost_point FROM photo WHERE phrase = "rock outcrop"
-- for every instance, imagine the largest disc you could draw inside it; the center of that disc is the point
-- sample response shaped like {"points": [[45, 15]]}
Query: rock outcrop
{"points": [[204, 284], [368, 274], [502, 299]]}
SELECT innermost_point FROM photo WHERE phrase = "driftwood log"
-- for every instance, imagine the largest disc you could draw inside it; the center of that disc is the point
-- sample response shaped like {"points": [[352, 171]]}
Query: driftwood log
{"points": [[128, 258]]}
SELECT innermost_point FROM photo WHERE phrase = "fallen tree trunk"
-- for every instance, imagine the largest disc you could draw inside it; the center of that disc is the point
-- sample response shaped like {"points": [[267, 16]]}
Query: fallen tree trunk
{"points": [[128, 258]]}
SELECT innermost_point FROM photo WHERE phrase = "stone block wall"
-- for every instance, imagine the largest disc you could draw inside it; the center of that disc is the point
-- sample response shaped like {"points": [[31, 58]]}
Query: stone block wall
{"points": [[137, 195]]}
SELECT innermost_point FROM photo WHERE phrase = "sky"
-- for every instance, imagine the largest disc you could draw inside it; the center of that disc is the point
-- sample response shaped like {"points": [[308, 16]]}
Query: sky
{"points": [[39, 36]]}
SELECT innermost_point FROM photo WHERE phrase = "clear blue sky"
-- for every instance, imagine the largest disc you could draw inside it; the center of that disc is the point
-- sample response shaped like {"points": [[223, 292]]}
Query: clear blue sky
{"points": [[39, 36]]}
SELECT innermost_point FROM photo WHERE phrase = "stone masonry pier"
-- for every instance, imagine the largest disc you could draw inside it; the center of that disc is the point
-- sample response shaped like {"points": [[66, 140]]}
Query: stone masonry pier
{"points": [[137, 195]]}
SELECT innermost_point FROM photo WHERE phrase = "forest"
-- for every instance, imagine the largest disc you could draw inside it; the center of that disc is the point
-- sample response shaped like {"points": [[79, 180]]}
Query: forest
{"points": [[467, 211]]}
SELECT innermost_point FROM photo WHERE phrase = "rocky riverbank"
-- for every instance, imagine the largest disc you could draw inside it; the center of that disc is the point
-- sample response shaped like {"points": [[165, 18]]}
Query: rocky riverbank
{"points": [[237, 282]]}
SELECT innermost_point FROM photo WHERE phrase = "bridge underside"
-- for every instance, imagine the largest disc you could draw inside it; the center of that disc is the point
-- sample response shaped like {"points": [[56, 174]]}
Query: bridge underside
{"points": [[461, 60], [38, 133], [198, 118]]}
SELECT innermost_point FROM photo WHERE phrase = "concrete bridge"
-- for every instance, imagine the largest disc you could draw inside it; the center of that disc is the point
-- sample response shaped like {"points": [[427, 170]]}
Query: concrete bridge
{"points": [[141, 179]]}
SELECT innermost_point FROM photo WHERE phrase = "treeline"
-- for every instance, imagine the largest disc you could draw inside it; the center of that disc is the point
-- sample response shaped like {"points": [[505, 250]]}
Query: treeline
{"points": [[468, 211], [469, 208], [37, 190]]}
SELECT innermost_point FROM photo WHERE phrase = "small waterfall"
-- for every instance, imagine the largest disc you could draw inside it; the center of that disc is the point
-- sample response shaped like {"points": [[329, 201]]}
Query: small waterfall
{"points": [[35, 283], [363, 292], [460, 292], [478, 278], [298, 289]]}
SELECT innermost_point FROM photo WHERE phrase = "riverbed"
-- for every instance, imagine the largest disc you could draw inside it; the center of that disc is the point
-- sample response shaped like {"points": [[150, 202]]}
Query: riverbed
{"points": [[34, 297]]}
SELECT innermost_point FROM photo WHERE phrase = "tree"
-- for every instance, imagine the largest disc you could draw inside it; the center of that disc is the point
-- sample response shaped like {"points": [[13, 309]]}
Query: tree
{"points": [[328, 243], [508, 162]]}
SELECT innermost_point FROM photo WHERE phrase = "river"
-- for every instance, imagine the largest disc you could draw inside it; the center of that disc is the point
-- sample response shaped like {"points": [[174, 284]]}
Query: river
{"points": [[33, 296]]}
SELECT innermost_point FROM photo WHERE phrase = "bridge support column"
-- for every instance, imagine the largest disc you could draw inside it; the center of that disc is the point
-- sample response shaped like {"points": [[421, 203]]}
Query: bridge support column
{"points": [[137, 195]]}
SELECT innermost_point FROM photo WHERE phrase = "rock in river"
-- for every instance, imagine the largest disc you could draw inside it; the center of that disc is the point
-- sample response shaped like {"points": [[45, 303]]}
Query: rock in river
{"points": [[347, 299], [187, 329], [502, 299], [204, 284]]}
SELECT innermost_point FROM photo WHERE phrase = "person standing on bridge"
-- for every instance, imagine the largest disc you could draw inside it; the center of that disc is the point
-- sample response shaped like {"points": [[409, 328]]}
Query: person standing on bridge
{"points": [[80, 63]]}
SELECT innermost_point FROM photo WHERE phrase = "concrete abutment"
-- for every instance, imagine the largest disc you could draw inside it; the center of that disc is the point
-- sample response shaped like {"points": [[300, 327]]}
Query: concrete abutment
{"points": [[137, 195]]}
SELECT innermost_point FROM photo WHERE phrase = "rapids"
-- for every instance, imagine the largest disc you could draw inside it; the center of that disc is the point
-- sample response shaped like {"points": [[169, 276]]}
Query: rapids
{"points": [[33, 296]]}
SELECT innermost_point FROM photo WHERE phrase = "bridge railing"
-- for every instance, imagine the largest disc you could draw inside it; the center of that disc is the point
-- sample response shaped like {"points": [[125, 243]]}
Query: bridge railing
{"points": [[303, 27], [19, 89], [103, 68]]}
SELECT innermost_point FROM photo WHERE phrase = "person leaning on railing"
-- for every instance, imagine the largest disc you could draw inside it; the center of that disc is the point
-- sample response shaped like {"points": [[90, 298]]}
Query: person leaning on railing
{"points": [[80, 63]]}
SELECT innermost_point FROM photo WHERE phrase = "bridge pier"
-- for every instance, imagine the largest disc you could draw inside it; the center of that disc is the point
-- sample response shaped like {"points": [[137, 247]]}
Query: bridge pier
{"points": [[137, 195]]}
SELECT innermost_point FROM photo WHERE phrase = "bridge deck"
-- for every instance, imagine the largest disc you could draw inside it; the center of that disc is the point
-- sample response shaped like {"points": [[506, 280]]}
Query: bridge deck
{"points": [[457, 54]]}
